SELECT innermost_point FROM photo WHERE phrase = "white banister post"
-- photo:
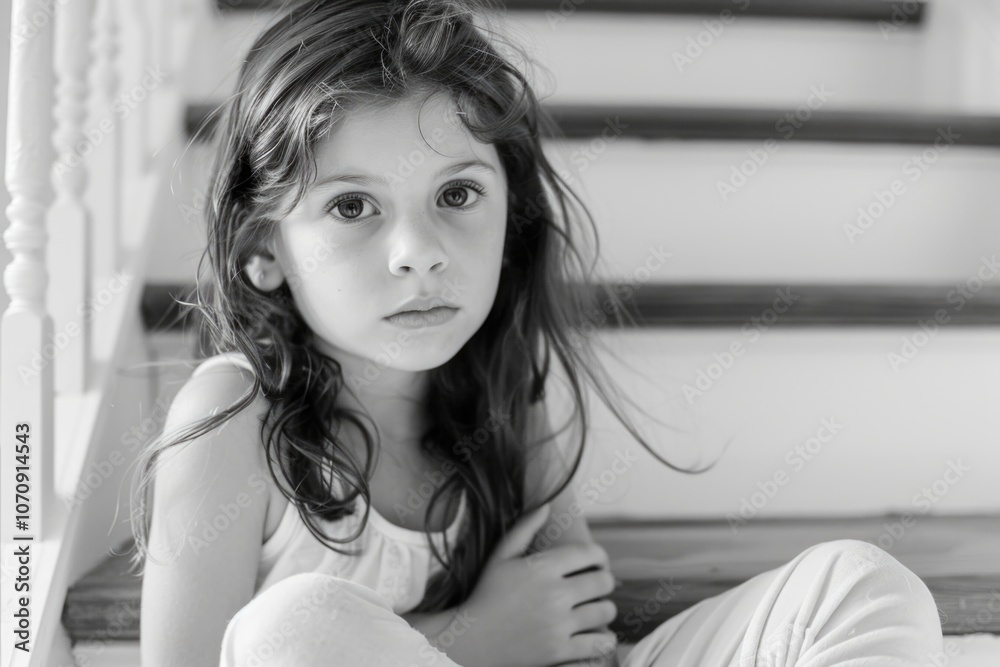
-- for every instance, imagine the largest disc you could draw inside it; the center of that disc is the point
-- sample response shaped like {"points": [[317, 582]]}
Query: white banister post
{"points": [[136, 96], [142, 13], [69, 219], [26, 392], [106, 189]]}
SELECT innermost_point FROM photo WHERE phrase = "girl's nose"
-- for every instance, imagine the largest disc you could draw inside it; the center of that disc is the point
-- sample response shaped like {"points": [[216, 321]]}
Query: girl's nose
{"points": [[415, 247]]}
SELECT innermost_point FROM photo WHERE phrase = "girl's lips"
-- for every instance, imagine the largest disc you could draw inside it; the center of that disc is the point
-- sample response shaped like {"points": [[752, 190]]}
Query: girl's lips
{"points": [[416, 319]]}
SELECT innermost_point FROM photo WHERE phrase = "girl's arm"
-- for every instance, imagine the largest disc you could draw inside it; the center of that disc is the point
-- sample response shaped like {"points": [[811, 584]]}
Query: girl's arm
{"points": [[209, 502], [567, 523], [547, 468], [433, 624], [466, 644]]}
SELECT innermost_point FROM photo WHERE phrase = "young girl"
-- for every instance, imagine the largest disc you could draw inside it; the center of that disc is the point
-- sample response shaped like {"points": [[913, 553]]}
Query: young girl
{"points": [[357, 477]]}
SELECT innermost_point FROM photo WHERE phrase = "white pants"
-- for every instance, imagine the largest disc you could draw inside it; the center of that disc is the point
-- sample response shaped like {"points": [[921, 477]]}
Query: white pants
{"points": [[846, 603]]}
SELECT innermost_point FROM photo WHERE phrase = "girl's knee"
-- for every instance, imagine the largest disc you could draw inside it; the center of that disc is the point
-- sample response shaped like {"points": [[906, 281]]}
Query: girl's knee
{"points": [[864, 558], [876, 578], [863, 561], [286, 624]]}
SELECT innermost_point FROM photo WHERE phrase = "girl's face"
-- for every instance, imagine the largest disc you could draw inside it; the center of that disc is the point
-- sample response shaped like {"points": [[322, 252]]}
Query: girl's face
{"points": [[401, 208]]}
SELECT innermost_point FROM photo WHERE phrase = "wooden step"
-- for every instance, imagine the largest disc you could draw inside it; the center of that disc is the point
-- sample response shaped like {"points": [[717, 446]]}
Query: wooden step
{"points": [[703, 305], [583, 121], [841, 10], [957, 557]]}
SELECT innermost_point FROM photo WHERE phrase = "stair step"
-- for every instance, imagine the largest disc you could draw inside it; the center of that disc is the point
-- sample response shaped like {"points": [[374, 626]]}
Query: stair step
{"points": [[584, 121], [866, 127], [843, 10], [723, 305], [730, 212], [958, 557], [701, 59]]}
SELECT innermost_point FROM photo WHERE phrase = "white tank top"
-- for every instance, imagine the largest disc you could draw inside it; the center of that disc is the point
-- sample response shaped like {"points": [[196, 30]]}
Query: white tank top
{"points": [[396, 562]]}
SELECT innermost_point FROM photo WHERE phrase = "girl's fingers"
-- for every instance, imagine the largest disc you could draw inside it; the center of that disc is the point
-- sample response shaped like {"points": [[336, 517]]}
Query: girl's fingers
{"points": [[594, 615], [522, 533], [588, 586], [568, 558], [594, 648]]}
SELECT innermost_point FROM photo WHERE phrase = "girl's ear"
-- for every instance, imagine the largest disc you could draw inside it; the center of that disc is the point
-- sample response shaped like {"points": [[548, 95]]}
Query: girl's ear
{"points": [[263, 270]]}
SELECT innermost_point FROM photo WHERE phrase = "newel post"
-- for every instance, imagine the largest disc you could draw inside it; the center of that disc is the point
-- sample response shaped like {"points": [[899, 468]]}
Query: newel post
{"points": [[106, 190]]}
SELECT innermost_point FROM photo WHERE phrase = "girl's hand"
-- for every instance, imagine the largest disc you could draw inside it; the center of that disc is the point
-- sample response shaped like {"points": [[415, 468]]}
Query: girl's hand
{"points": [[525, 612]]}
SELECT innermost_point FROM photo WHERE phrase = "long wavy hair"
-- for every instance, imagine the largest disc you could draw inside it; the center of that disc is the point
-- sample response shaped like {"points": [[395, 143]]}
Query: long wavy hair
{"points": [[316, 63]]}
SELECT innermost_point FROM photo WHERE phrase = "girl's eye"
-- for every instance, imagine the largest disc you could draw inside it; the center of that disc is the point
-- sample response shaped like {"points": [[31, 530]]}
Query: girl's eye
{"points": [[457, 194], [349, 206]]}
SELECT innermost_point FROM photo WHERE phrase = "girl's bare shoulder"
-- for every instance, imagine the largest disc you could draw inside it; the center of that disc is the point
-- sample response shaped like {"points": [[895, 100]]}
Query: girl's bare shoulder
{"points": [[219, 383], [211, 497]]}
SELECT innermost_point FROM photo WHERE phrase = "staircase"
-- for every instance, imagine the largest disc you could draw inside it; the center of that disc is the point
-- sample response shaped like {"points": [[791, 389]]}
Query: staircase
{"points": [[803, 195], [93, 107]]}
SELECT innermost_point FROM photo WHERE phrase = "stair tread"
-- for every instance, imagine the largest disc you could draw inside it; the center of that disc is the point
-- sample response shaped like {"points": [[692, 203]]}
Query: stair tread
{"points": [[841, 10], [958, 557], [699, 305], [662, 121]]}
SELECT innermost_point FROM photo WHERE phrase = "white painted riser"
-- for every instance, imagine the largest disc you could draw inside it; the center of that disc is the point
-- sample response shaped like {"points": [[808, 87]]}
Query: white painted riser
{"points": [[601, 58], [900, 429], [796, 217]]}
